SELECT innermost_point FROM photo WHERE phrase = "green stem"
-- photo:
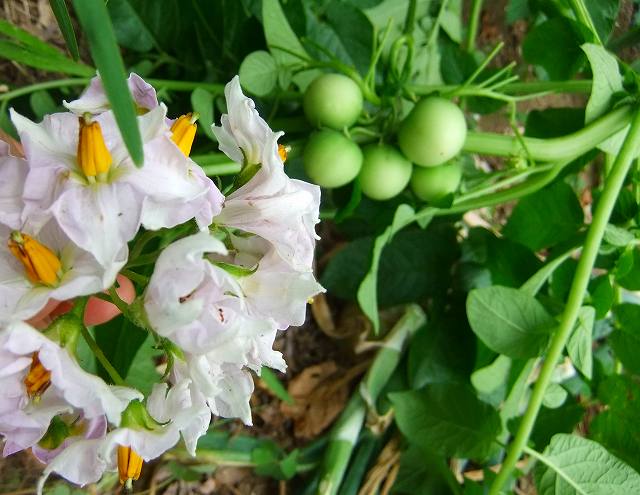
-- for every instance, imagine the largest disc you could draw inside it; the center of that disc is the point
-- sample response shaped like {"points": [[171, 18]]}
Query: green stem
{"points": [[552, 149], [230, 168], [474, 18], [410, 19], [97, 352], [582, 13], [345, 432], [613, 184], [531, 87]]}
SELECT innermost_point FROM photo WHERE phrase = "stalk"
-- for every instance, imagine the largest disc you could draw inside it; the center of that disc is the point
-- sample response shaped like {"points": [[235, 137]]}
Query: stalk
{"points": [[613, 184], [552, 149], [344, 434], [474, 18], [97, 352]]}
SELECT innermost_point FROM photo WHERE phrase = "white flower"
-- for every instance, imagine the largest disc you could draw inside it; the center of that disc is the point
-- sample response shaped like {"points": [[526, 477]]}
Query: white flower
{"points": [[36, 267], [281, 210], [40, 380], [243, 133], [94, 100], [275, 290], [175, 411], [190, 300], [13, 172], [96, 193]]}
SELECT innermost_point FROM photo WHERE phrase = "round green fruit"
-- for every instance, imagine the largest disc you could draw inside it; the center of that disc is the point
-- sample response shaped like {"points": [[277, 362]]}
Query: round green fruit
{"points": [[331, 160], [433, 132], [434, 183], [333, 100], [385, 171]]}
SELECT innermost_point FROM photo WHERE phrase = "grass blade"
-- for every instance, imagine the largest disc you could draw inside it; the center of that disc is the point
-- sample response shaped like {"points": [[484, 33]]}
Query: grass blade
{"points": [[96, 25], [59, 8]]}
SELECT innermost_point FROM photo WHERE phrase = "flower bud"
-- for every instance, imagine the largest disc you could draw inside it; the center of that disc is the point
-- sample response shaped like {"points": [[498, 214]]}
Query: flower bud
{"points": [[41, 264], [183, 132]]}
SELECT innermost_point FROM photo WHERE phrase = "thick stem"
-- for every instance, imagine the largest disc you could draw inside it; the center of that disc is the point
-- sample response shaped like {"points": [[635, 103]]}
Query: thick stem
{"points": [[547, 150], [613, 184]]}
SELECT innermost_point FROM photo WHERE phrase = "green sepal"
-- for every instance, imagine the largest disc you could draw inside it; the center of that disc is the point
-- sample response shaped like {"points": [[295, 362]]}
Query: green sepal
{"points": [[57, 433], [245, 175], [136, 417], [65, 330], [235, 270]]}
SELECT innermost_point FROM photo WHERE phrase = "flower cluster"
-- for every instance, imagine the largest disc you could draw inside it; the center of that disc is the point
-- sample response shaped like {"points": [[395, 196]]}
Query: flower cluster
{"points": [[239, 271]]}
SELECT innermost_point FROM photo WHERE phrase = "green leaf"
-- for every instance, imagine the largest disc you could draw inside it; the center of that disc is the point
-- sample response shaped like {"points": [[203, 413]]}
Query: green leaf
{"points": [[606, 80], [602, 295], [432, 358], [616, 427], [448, 418], [58, 63], [617, 236], [565, 58], [354, 30], [625, 340], [29, 41], [509, 321], [422, 473], [275, 385], [259, 73], [42, 104], [545, 218], [202, 103], [367, 292], [96, 24], [554, 396], [573, 465], [116, 336], [59, 8], [550, 422], [538, 279], [491, 381], [128, 28], [580, 342], [604, 14], [627, 269], [279, 34], [416, 264], [142, 373], [270, 461]]}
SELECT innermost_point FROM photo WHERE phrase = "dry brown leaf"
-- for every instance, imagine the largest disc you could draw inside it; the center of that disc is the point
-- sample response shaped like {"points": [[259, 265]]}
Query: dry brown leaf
{"points": [[14, 146], [322, 314], [320, 393]]}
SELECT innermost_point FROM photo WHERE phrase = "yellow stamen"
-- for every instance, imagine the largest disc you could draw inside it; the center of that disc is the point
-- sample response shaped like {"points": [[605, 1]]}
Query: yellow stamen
{"points": [[184, 132], [93, 156], [40, 263], [283, 151], [129, 464], [38, 379]]}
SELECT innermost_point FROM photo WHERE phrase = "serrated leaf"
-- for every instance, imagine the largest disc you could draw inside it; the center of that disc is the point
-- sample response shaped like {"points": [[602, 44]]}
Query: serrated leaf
{"points": [[259, 73], [202, 103], [96, 24], [509, 321], [580, 342], [448, 418], [573, 465]]}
